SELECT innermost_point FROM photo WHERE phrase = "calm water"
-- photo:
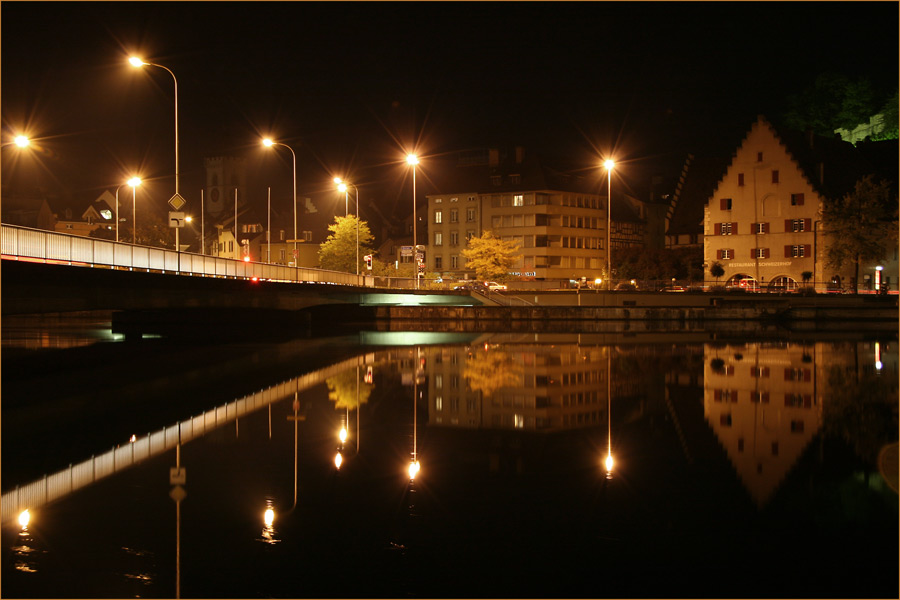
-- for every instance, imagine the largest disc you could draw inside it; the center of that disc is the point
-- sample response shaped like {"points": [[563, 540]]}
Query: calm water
{"points": [[742, 467]]}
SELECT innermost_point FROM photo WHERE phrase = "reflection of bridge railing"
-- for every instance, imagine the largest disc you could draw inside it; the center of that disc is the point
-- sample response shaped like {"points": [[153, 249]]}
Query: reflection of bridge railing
{"points": [[78, 250], [57, 485]]}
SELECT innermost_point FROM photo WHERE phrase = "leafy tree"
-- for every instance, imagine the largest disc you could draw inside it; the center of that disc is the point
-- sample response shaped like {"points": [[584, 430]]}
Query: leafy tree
{"points": [[716, 270], [491, 257], [891, 112], [833, 101], [862, 225], [489, 370], [338, 252], [806, 276]]}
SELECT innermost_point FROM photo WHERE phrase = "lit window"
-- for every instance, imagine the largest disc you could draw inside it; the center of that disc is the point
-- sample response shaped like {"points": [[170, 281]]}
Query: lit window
{"points": [[798, 225], [438, 238], [438, 200], [725, 228], [438, 217], [760, 228], [761, 253], [518, 200], [726, 253], [798, 251], [454, 199]]}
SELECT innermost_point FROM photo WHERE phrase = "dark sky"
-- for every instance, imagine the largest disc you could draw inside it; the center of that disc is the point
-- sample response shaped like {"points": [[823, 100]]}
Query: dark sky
{"points": [[352, 86]]}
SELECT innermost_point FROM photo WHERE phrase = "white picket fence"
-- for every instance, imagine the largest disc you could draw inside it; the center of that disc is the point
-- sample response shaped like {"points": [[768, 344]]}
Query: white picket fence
{"points": [[76, 476]]}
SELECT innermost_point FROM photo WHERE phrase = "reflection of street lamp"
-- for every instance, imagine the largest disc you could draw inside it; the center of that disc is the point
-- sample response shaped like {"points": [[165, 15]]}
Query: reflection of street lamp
{"points": [[24, 519], [413, 160], [268, 143], [609, 459], [414, 463], [342, 186], [609, 164]]}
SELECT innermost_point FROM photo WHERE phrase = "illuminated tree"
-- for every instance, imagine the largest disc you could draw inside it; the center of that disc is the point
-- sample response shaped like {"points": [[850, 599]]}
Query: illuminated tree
{"points": [[490, 257], [338, 252], [342, 389]]}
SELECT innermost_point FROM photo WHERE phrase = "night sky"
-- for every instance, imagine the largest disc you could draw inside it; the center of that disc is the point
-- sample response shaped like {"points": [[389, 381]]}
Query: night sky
{"points": [[353, 86]]}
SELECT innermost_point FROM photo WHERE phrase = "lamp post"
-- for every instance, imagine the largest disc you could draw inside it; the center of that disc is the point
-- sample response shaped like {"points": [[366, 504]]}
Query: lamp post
{"points": [[342, 186], [133, 182], [413, 160], [268, 143], [137, 62], [609, 164]]}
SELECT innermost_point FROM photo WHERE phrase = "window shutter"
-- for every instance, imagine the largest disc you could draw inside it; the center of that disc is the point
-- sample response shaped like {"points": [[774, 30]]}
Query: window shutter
{"points": [[734, 228], [753, 252], [718, 229], [787, 374], [765, 227], [788, 226], [807, 250], [807, 224], [765, 253], [718, 255], [722, 204], [799, 199], [807, 375], [787, 251]]}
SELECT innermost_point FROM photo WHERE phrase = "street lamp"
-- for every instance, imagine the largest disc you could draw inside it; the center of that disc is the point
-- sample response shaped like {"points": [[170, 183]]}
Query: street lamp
{"points": [[137, 62], [21, 141], [133, 182], [342, 187], [413, 160], [609, 164], [268, 143]]}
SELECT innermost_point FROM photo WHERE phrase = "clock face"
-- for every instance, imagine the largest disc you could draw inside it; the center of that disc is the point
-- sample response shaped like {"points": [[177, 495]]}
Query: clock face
{"points": [[214, 195]]}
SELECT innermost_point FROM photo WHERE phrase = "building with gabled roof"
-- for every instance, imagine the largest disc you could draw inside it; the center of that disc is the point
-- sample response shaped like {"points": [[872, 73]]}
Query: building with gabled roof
{"points": [[763, 220]]}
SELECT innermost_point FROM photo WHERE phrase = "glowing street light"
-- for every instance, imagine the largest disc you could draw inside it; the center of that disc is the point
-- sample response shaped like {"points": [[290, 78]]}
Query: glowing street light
{"points": [[21, 141], [609, 164], [268, 143], [413, 160], [133, 182]]}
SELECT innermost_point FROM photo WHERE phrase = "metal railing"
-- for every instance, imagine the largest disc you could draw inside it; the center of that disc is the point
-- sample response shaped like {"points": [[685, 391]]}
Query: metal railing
{"points": [[76, 476], [22, 242]]}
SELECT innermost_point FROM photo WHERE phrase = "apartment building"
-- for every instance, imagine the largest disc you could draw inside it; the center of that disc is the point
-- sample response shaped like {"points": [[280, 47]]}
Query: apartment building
{"points": [[557, 219]]}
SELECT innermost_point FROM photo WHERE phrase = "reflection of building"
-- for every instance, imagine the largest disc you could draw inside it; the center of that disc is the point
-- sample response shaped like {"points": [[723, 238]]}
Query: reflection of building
{"points": [[764, 403], [528, 387]]}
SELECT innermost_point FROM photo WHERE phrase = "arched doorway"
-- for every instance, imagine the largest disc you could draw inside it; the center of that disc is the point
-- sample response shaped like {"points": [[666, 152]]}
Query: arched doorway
{"points": [[783, 283], [744, 282]]}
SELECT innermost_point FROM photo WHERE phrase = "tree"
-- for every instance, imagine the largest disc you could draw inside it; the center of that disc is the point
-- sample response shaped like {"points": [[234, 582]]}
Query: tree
{"points": [[862, 225], [833, 101], [344, 389], [716, 270], [339, 252], [491, 257]]}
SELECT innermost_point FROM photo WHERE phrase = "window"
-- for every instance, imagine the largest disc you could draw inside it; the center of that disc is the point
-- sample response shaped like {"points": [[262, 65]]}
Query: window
{"points": [[515, 178], [307, 236], [797, 225], [760, 228], [774, 176], [740, 179], [518, 200], [470, 214], [454, 262], [760, 253], [282, 253], [759, 157], [438, 238], [470, 234], [454, 199], [438, 216], [726, 228], [495, 179], [281, 235], [438, 262], [725, 253], [725, 203], [454, 215], [797, 251], [796, 199], [471, 199], [454, 238], [438, 200]]}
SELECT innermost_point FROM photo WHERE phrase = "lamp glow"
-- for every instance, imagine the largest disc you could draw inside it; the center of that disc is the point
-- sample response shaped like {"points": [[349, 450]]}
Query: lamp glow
{"points": [[134, 181], [338, 460], [413, 469], [22, 141], [24, 518], [343, 434], [136, 62], [269, 517], [609, 462], [609, 164], [267, 142], [412, 159]]}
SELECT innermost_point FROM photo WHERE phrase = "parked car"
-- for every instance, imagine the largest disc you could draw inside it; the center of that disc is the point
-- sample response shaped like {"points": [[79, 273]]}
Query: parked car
{"points": [[493, 285], [475, 286]]}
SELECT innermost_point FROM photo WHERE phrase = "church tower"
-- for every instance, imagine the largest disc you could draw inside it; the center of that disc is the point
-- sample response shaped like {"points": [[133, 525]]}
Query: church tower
{"points": [[224, 174]]}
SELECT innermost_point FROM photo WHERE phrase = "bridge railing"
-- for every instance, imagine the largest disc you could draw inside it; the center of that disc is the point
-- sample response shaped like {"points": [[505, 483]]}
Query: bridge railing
{"points": [[22, 242], [54, 486]]}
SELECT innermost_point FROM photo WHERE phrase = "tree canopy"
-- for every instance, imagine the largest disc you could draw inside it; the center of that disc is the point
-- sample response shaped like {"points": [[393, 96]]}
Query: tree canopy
{"points": [[338, 252], [862, 225], [835, 101], [491, 257]]}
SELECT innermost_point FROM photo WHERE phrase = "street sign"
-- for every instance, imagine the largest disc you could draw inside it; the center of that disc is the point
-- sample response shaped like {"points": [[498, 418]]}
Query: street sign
{"points": [[177, 202], [178, 494], [406, 250], [176, 219]]}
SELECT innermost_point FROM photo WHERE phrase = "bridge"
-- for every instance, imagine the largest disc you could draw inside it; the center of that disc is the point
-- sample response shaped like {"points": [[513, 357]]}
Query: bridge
{"points": [[40, 276]]}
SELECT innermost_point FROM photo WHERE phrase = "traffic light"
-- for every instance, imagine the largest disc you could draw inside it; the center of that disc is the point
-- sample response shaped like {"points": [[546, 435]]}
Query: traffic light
{"points": [[368, 259], [368, 377]]}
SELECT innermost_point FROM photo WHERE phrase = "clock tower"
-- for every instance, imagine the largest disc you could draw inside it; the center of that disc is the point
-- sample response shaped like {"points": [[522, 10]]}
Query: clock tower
{"points": [[224, 174]]}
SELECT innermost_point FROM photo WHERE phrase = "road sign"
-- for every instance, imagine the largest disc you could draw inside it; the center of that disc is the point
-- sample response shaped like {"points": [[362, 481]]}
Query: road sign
{"points": [[177, 202], [176, 219], [178, 494], [406, 250]]}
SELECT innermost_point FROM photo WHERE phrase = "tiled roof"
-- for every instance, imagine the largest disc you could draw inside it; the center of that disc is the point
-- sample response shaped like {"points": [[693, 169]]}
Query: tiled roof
{"points": [[701, 174]]}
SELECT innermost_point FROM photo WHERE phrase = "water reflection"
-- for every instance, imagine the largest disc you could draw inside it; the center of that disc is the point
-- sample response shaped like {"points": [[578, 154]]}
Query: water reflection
{"points": [[513, 427]]}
